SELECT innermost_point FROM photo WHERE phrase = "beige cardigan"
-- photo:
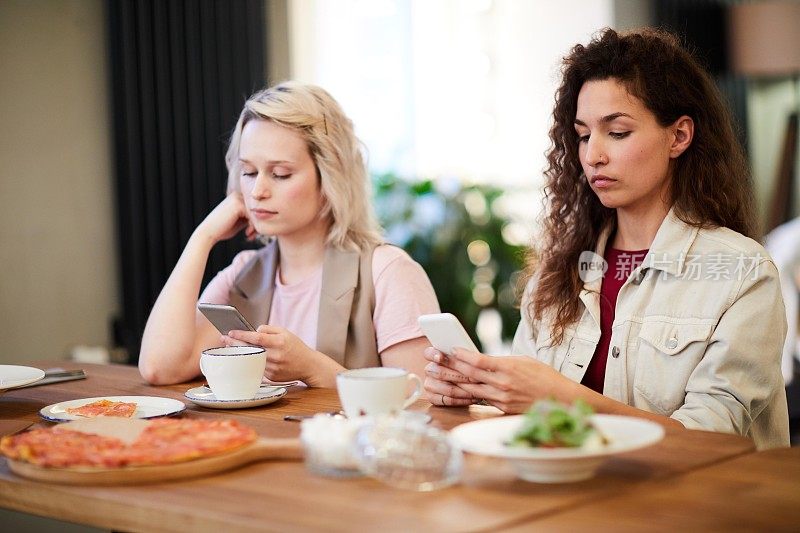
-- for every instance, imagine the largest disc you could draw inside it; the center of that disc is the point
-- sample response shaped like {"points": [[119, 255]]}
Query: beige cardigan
{"points": [[345, 331]]}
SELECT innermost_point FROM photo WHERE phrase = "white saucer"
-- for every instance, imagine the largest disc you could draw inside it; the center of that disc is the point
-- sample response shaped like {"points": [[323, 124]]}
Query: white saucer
{"points": [[204, 397], [418, 417]]}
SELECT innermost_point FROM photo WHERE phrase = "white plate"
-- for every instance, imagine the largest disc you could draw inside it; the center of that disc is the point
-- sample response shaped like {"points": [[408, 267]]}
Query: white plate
{"points": [[204, 397], [16, 376], [555, 465], [146, 407]]}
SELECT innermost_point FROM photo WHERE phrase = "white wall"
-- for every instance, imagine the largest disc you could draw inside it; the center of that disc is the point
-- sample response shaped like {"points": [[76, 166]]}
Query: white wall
{"points": [[277, 27], [58, 282], [769, 104], [459, 88], [632, 14]]}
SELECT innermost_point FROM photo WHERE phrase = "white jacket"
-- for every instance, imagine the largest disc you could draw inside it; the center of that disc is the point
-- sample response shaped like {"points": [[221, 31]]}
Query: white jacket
{"points": [[698, 332]]}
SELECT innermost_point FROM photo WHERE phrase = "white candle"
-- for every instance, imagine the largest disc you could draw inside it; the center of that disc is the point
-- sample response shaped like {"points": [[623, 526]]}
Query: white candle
{"points": [[329, 444]]}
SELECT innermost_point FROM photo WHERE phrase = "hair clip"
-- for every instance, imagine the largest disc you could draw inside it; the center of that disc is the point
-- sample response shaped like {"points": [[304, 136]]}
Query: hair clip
{"points": [[325, 123]]}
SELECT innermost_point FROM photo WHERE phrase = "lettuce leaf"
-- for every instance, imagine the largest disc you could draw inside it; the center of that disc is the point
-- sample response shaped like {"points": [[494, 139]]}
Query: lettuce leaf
{"points": [[552, 424]]}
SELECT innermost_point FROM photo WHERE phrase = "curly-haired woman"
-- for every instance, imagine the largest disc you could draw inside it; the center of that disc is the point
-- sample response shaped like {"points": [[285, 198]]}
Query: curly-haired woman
{"points": [[646, 294]]}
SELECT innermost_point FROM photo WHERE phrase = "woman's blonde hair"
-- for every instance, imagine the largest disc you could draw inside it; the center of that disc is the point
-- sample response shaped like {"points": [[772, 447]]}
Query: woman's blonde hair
{"points": [[333, 146]]}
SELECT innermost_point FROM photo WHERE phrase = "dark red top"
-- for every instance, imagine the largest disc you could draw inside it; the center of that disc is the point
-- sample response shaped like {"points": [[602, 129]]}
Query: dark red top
{"points": [[620, 264]]}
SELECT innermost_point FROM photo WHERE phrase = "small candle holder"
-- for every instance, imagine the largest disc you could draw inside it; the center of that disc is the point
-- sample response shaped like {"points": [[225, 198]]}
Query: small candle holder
{"points": [[402, 451], [328, 443]]}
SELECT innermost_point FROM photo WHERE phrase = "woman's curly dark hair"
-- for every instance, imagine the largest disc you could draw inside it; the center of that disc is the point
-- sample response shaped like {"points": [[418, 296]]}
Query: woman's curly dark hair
{"points": [[710, 184]]}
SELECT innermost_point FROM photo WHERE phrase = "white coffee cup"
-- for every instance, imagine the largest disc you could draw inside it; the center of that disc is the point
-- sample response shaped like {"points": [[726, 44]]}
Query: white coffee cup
{"points": [[376, 391], [234, 372]]}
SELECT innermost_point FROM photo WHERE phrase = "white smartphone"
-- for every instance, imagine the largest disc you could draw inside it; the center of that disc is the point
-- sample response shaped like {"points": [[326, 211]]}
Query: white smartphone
{"points": [[225, 317], [445, 332]]}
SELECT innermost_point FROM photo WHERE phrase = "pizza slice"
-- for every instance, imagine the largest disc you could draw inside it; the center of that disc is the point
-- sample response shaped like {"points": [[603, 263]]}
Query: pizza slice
{"points": [[104, 408]]}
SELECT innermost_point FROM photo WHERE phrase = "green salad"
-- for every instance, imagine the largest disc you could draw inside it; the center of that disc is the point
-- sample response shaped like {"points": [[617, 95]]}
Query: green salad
{"points": [[552, 424]]}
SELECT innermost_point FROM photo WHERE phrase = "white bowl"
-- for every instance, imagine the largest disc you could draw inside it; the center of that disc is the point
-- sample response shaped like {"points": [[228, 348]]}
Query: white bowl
{"points": [[555, 465]]}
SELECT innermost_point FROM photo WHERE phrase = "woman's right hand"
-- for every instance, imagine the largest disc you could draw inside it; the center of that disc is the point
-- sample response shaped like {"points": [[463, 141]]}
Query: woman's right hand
{"points": [[226, 220], [441, 381]]}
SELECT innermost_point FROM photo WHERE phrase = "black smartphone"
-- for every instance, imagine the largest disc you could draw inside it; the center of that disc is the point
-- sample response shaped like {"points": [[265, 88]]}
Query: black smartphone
{"points": [[225, 317]]}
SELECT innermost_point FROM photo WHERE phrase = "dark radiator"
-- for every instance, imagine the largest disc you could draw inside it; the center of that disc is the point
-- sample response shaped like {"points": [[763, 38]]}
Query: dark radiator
{"points": [[181, 70]]}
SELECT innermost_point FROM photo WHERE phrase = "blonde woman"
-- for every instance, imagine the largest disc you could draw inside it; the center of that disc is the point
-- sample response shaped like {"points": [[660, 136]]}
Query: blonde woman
{"points": [[325, 294]]}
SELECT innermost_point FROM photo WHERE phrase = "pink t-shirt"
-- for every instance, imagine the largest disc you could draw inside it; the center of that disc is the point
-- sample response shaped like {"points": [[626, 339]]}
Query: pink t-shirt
{"points": [[402, 293]]}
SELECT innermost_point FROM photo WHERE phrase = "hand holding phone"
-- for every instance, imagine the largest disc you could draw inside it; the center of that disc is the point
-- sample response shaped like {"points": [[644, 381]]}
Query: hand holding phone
{"points": [[445, 332], [225, 317]]}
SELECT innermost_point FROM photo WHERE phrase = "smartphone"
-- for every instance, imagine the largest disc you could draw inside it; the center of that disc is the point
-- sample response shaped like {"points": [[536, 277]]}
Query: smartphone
{"points": [[225, 317], [445, 332]]}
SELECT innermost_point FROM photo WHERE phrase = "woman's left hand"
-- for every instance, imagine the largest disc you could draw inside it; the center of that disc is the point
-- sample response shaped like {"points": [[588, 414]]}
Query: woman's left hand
{"points": [[510, 383], [288, 357]]}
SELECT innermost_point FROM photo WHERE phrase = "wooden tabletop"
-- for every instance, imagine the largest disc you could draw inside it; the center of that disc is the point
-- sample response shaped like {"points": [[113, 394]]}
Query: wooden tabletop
{"points": [[283, 495], [755, 492]]}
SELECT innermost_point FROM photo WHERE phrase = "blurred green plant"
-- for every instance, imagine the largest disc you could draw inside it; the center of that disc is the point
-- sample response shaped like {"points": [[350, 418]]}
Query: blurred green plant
{"points": [[457, 234]]}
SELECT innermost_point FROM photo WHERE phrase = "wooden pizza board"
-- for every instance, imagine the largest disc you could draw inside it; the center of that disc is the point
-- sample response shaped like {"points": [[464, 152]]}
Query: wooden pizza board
{"points": [[128, 430]]}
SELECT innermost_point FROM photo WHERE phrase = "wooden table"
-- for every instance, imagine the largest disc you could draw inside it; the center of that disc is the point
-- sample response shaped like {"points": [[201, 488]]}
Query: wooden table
{"points": [[756, 492], [283, 495]]}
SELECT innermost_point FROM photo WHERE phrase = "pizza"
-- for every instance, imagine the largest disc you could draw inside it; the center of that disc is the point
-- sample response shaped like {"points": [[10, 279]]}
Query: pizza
{"points": [[163, 441], [104, 408]]}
